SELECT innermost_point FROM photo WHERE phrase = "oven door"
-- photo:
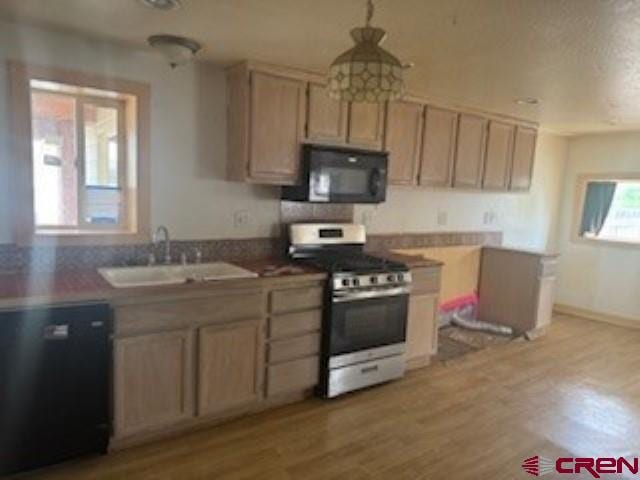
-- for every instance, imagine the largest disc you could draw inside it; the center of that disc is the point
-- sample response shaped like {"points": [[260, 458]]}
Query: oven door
{"points": [[347, 177], [358, 324]]}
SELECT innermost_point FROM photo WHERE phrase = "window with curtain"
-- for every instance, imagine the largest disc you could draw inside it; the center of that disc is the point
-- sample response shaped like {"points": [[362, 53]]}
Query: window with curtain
{"points": [[611, 210]]}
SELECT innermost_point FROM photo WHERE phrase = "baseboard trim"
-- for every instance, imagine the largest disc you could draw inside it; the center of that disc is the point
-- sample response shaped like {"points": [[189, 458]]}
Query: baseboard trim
{"points": [[596, 316]]}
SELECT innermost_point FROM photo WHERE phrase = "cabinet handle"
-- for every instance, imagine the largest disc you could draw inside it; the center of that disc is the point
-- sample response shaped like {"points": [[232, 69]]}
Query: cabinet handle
{"points": [[369, 369]]}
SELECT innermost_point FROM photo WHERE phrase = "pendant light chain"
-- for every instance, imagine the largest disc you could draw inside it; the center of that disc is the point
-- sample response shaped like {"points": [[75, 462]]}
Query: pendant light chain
{"points": [[370, 12]]}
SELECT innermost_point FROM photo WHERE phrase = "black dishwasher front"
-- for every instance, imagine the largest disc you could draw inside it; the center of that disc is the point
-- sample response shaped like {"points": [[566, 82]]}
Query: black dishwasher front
{"points": [[54, 384]]}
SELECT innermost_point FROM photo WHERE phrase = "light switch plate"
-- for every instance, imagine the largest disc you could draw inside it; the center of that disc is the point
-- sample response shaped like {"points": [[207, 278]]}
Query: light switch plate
{"points": [[443, 218], [240, 218]]}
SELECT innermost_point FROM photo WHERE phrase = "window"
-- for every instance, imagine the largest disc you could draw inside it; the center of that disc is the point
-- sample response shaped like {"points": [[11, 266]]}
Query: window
{"points": [[82, 170], [610, 210]]}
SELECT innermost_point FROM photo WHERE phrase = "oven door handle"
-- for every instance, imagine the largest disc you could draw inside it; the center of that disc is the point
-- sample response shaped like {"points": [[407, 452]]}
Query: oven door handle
{"points": [[339, 297]]}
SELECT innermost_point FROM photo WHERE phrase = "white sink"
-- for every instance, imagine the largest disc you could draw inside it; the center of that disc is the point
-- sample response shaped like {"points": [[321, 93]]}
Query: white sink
{"points": [[127, 277]]}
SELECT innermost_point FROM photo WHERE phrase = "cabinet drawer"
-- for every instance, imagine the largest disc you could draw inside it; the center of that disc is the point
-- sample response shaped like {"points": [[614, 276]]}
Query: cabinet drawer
{"points": [[292, 376], [296, 299], [425, 280], [295, 323], [281, 350]]}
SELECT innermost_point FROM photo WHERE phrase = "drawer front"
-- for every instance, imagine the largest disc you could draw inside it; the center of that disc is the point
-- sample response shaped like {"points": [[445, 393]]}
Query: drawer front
{"points": [[292, 376], [425, 280], [282, 350], [548, 268], [295, 324], [296, 299], [161, 316]]}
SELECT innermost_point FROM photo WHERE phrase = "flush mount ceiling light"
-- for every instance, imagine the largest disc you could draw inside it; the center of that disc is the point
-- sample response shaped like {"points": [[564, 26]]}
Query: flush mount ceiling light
{"points": [[162, 4], [367, 72], [177, 50], [527, 101]]}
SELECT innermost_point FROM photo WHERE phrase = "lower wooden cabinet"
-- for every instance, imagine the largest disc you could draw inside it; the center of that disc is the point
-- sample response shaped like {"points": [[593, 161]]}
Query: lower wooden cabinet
{"points": [[153, 381], [422, 322], [229, 366]]}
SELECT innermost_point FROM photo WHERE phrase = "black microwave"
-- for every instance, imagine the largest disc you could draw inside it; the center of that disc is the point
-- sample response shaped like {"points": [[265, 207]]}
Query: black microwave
{"points": [[340, 175]]}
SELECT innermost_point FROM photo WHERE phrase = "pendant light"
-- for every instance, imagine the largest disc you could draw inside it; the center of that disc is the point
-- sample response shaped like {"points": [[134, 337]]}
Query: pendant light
{"points": [[367, 72]]}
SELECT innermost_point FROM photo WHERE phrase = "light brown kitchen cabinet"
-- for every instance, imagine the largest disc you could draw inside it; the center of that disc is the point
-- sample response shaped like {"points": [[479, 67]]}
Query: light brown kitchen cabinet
{"points": [[326, 117], [470, 151], [499, 156], [403, 141], [153, 381], [516, 288], [523, 158], [366, 125], [266, 125], [422, 321], [438, 147], [229, 366]]}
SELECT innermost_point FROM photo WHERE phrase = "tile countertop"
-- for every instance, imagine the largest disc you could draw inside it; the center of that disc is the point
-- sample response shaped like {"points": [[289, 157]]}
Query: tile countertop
{"points": [[43, 288]]}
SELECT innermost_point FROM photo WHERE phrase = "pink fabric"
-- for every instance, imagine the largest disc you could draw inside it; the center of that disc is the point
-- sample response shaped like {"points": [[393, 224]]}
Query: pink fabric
{"points": [[471, 299]]}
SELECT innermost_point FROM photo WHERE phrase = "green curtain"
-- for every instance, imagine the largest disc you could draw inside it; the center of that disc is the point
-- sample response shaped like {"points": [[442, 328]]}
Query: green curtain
{"points": [[597, 204]]}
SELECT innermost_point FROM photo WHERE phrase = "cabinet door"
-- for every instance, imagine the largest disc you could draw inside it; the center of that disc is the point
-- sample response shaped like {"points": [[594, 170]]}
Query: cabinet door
{"points": [[230, 365], [523, 155], [277, 128], [499, 156], [153, 381], [438, 147], [470, 150], [326, 117], [403, 136], [422, 329], [366, 124]]}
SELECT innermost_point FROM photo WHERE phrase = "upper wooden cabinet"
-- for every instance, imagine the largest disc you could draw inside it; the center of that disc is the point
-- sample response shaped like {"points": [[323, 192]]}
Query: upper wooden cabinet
{"points": [[403, 139], [499, 156], [438, 147], [366, 125], [230, 366], [266, 120], [523, 157], [326, 117], [470, 150]]}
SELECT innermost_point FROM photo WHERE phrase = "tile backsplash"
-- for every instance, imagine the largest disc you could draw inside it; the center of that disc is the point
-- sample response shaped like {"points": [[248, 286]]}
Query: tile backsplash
{"points": [[46, 258]]}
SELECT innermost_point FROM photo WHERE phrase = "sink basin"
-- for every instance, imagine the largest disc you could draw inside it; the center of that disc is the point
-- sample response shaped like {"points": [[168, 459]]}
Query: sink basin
{"points": [[127, 277]]}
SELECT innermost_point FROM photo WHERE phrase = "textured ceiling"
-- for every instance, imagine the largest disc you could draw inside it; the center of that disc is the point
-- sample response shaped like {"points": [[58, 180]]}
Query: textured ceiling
{"points": [[581, 58]]}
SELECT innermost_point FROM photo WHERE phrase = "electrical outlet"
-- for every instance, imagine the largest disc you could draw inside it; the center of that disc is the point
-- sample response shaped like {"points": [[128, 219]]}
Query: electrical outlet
{"points": [[367, 217], [240, 218], [489, 218], [443, 218]]}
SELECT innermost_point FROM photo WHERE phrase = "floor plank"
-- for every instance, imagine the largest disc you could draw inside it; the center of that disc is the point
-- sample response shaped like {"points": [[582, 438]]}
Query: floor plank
{"points": [[574, 392]]}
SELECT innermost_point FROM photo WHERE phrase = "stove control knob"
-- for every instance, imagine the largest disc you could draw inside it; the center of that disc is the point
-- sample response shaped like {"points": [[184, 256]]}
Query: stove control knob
{"points": [[400, 277], [345, 282], [373, 279], [356, 282], [391, 278]]}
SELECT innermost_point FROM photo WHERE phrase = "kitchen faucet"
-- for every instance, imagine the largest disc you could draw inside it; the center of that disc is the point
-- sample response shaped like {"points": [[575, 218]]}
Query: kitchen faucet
{"points": [[162, 230]]}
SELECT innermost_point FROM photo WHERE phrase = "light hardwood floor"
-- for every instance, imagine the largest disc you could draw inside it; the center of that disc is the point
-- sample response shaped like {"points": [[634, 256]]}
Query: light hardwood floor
{"points": [[575, 392]]}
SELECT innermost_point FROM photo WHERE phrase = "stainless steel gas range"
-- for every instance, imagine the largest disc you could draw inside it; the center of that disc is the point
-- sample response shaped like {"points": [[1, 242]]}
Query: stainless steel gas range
{"points": [[365, 314]]}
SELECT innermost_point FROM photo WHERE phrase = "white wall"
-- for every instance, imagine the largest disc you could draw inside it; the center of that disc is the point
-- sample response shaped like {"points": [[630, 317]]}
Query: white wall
{"points": [[527, 220], [188, 155], [188, 124], [598, 277]]}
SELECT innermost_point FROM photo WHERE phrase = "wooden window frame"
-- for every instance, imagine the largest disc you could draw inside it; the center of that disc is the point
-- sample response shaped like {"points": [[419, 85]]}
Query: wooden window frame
{"points": [[578, 208], [135, 116]]}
